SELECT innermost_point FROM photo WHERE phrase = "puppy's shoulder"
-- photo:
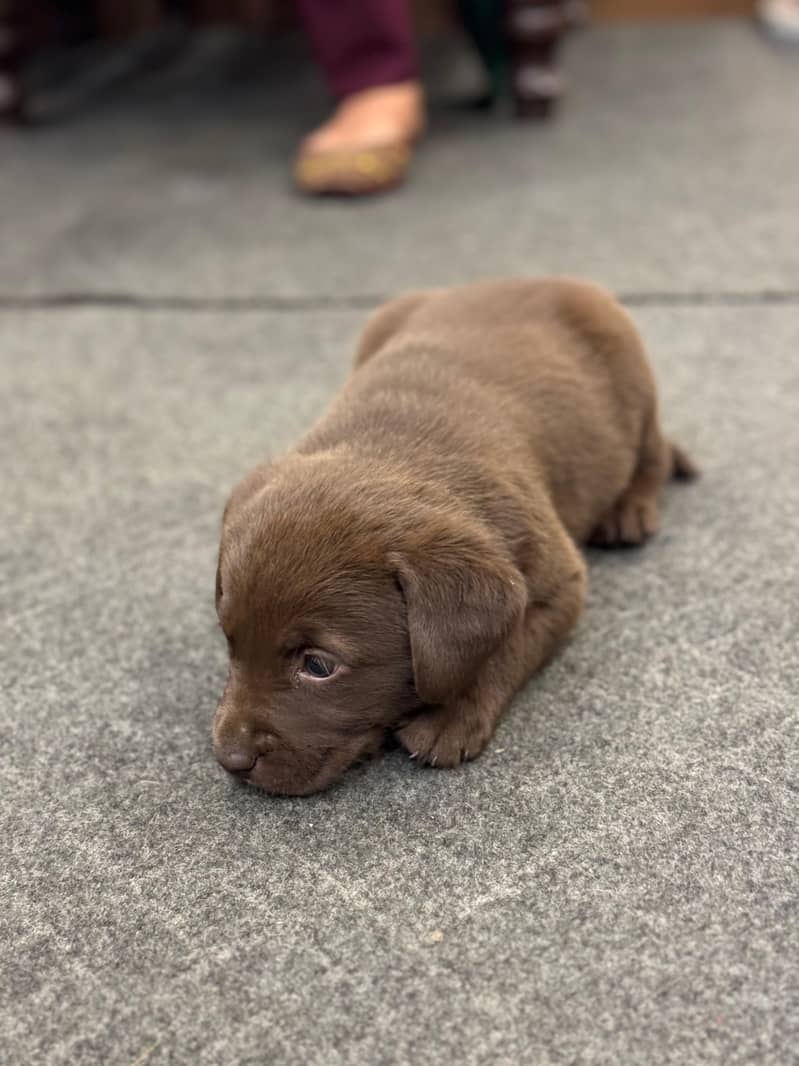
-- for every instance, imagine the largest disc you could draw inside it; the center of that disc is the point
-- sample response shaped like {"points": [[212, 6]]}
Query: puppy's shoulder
{"points": [[388, 320]]}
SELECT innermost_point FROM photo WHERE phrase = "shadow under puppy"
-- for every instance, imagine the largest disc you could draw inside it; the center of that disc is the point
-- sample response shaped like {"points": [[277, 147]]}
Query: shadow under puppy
{"points": [[413, 560]]}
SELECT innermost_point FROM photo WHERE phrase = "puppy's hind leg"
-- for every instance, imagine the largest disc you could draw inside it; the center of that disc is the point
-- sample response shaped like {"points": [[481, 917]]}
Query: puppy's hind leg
{"points": [[634, 517]]}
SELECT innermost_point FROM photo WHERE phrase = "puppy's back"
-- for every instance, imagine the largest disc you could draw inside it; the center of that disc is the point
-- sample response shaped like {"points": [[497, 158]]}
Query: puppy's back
{"points": [[518, 381], [512, 325]]}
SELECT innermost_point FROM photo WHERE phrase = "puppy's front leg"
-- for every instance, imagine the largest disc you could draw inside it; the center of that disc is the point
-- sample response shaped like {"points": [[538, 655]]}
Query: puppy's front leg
{"points": [[458, 731]]}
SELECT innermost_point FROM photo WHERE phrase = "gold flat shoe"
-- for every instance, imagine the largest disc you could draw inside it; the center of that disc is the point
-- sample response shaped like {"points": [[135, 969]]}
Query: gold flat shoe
{"points": [[352, 171]]}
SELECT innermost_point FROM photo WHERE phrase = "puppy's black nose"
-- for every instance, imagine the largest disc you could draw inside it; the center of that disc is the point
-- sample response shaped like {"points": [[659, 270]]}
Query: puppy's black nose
{"points": [[237, 761]]}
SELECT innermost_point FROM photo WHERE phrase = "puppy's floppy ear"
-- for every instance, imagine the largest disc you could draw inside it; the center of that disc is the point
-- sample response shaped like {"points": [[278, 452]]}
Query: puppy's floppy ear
{"points": [[464, 596]]}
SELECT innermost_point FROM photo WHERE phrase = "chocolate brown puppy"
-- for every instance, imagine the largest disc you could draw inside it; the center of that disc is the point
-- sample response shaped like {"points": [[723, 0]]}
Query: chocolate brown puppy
{"points": [[413, 561]]}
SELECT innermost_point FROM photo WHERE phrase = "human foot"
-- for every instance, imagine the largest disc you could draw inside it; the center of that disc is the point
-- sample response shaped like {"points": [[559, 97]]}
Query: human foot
{"points": [[366, 145]]}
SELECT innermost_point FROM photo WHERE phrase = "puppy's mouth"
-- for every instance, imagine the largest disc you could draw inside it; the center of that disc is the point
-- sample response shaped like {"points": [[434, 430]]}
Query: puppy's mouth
{"points": [[282, 774], [283, 777]]}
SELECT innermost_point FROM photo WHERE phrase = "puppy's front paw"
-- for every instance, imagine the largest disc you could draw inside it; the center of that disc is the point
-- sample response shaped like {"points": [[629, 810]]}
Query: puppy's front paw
{"points": [[446, 736]]}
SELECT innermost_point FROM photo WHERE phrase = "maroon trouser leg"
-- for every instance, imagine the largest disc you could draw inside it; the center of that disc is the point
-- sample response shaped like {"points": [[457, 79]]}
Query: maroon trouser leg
{"points": [[361, 43]]}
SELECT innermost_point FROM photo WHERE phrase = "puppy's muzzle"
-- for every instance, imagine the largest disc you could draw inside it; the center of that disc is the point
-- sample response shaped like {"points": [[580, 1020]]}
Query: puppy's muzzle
{"points": [[238, 747]]}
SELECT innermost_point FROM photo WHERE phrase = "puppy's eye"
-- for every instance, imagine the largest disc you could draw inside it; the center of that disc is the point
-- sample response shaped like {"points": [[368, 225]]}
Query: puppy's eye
{"points": [[317, 666]]}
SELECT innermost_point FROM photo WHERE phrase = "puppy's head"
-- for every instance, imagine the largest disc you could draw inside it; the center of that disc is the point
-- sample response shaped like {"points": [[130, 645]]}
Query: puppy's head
{"points": [[346, 605]]}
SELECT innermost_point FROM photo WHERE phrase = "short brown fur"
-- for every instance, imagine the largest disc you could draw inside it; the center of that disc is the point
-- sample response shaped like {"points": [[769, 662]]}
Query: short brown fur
{"points": [[423, 536]]}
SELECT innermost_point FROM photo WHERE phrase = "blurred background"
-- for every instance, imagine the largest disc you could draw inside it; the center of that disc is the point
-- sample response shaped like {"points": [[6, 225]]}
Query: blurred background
{"points": [[527, 136], [158, 147]]}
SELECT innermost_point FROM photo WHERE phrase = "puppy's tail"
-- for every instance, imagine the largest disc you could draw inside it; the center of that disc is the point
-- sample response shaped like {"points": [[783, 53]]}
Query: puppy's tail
{"points": [[683, 468]]}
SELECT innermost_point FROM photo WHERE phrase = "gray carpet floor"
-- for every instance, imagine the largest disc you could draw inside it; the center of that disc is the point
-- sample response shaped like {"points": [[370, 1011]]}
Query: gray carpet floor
{"points": [[615, 881]]}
